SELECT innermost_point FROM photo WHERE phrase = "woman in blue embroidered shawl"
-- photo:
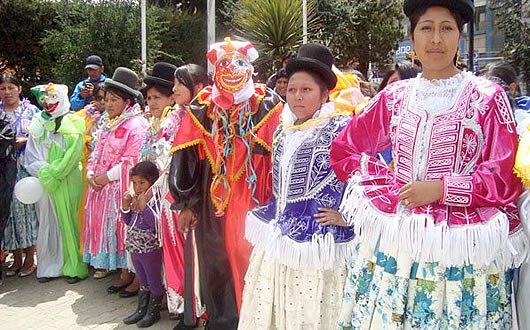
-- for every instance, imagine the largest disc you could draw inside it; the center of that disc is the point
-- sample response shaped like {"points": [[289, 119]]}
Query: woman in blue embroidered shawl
{"points": [[297, 269]]}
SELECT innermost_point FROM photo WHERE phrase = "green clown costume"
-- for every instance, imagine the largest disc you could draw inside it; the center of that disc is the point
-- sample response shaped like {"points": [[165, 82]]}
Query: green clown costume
{"points": [[53, 156]]}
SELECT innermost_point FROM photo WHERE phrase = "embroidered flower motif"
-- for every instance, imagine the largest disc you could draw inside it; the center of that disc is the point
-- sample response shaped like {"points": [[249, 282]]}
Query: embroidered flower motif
{"points": [[120, 132], [470, 143]]}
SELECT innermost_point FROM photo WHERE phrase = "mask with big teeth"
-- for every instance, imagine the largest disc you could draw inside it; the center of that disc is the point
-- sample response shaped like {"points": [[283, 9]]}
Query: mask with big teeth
{"points": [[232, 72], [53, 98]]}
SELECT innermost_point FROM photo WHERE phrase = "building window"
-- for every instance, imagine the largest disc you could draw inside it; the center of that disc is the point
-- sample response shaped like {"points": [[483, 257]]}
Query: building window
{"points": [[480, 19]]}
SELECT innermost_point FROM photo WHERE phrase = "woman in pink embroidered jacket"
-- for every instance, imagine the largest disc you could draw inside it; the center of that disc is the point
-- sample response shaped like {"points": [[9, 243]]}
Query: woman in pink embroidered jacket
{"points": [[116, 152], [439, 234]]}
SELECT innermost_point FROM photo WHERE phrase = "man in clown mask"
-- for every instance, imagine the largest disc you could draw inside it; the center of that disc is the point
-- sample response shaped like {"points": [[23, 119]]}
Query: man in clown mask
{"points": [[220, 169], [53, 153]]}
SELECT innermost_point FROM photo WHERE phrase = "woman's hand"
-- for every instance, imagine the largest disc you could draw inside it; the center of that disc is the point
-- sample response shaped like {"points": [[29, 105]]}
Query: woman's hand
{"points": [[93, 184], [330, 217], [21, 142], [126, 201], [187, 221], [420, 193], [101, 180]]}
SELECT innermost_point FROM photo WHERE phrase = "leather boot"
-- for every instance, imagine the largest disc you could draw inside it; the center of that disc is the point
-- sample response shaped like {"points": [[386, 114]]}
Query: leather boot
{"points": [[153, 312], [141, 310]]}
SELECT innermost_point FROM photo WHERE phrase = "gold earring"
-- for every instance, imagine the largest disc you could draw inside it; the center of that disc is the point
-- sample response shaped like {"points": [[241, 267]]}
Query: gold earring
{"points": [[411, 56]]}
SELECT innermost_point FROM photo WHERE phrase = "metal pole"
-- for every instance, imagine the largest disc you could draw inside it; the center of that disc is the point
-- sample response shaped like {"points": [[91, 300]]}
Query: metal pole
{"points": [[210, 9], [471, 34], [304, 13], [144, 39]]}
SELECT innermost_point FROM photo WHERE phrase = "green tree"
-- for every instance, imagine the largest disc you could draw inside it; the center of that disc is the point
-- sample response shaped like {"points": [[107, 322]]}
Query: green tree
{"points": [[513, 18], [185, 38], [108, 28], [44, 40], [22, 25], [273, 26], [362, 31]]}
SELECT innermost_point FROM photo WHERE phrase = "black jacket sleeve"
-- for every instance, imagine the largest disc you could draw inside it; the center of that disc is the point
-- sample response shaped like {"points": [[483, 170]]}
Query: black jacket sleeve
{"points": [[184, 178]]}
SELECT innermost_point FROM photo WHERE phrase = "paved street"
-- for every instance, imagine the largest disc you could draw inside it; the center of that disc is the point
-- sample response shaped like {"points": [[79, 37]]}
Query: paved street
{"points": [[27, 304]]}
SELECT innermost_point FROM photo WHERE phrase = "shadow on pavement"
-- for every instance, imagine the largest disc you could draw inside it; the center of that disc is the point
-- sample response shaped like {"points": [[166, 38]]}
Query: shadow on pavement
{"points": [[26, 303]]}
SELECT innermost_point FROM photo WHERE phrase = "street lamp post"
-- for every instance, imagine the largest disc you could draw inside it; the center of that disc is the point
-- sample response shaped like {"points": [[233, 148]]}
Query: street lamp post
{"points": [[304, 24], [211, 28], [471, 34], [144, 39]]}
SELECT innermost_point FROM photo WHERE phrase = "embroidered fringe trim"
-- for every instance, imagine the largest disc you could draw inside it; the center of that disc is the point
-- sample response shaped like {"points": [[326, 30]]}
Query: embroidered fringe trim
{"points": [[175, 302], [480, 244], [321, 253], [160, 189]]}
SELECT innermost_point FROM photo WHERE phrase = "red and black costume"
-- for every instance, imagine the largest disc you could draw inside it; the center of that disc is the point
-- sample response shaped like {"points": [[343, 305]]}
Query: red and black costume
{"points": [[221, 192]]}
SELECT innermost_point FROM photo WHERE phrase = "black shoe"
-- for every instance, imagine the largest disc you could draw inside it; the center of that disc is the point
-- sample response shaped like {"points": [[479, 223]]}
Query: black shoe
{"points": [[116, 289], [126, 294], [141, 310], [44, 279], [72, 280], [153, 312]]}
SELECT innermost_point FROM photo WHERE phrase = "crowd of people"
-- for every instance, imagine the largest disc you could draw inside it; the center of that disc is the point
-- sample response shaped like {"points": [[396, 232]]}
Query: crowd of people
{"points": [[309, 202]]}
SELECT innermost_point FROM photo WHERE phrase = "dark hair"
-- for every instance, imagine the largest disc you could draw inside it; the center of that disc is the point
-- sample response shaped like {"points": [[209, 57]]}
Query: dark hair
{"points": [[10, 79], [384, 82], [290, 55], [418, 13], [281, 74], [406, 70], [191, 75], [503, 71], [122, 94], [146, 170], [167, 91], [322, 84], [99, 87]]}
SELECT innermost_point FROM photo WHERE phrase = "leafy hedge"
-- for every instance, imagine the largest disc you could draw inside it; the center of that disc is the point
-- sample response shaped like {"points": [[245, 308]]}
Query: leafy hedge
{"points": [[46, 40]]}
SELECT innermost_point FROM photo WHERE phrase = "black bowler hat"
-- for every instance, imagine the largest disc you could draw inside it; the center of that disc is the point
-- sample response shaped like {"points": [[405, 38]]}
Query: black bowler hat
{"points": [[93, 62], [125, 80], [466, 8], [316, 58], [163, 75]]}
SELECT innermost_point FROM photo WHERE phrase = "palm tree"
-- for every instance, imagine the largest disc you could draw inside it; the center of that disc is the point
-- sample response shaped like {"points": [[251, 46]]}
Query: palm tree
{"points": [[273, 26]]}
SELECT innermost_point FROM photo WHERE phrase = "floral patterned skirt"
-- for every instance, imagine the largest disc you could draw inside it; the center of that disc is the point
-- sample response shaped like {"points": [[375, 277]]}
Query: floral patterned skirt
{"points": [[393, 292], [22, 226]]}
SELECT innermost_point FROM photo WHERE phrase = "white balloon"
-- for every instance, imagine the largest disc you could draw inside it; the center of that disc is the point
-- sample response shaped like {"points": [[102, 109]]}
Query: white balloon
{"points": [[29, 190]]}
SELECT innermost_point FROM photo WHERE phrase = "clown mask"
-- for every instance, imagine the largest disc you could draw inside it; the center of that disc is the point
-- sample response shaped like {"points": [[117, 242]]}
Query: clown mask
{"points": [[53, 99], [232, 72]]}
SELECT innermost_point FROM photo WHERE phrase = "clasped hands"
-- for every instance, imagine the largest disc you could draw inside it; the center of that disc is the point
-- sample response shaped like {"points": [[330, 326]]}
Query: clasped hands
{"points": [[98, 182]]}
